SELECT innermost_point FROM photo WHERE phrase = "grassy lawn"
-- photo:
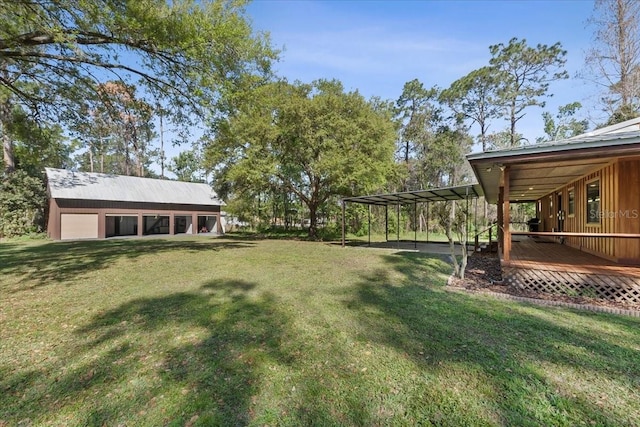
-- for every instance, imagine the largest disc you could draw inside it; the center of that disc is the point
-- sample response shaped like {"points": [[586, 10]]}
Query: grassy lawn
{"points": [[205, 331], [404, 235]]}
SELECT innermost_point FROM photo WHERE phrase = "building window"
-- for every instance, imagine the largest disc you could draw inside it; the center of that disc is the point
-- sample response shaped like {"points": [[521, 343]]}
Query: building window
{"points": [[571, 203], [551, 206], [593, 202]]}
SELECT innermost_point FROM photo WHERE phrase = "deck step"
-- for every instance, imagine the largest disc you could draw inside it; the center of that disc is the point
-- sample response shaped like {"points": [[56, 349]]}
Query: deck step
{"points": [[488, 247]]}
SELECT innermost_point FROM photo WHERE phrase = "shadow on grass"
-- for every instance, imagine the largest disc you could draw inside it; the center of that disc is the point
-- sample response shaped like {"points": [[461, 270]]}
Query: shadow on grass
{"points": [[194, 352], [59, 262], [188, 358], [511, 347]]}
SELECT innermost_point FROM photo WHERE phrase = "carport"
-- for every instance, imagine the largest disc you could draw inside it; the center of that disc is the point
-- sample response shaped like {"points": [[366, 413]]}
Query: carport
{"points": [[463, 192]]}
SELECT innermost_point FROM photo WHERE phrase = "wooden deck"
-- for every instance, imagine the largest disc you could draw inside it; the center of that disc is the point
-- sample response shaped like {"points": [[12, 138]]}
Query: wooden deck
{"points": [[546, 266], [543, 254]]}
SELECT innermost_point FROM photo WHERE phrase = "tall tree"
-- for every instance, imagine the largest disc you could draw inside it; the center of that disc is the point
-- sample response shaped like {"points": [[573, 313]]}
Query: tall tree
{"points": [[472, 98], [418, 114], [185, 53], [116, 128], [614, 58], [313, 140], [524, 74]]}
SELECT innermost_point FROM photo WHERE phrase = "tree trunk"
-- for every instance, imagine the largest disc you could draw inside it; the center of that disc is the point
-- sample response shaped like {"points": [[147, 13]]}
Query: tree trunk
{"points": [[513, 125], [8, 153], [452, 245], [313, 220]]}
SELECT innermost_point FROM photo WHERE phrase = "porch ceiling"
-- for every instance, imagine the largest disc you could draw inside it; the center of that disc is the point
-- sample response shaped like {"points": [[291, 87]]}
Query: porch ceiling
{"points": [[537, 170], [531, 181]]}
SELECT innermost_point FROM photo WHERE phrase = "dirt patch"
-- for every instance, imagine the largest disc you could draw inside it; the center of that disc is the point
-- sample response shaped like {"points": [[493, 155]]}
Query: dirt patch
{"points": [[483, 274]]}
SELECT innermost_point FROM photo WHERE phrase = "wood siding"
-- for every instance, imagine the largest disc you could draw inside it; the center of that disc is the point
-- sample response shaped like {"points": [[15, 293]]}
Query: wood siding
{"points": [[619, 201], [628, 215]]}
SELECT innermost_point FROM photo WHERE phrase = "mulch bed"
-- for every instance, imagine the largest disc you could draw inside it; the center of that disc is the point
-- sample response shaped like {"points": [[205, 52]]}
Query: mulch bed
{"points": [[483, 274]]}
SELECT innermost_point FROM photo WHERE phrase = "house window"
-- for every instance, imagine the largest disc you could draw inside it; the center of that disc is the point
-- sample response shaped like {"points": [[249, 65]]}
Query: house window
{"points": [[551, 206], [593, 202], [571, 203]]}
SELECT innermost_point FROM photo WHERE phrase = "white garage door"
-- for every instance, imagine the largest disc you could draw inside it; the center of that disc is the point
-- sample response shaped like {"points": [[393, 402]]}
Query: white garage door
{"points": [[79, 226]]}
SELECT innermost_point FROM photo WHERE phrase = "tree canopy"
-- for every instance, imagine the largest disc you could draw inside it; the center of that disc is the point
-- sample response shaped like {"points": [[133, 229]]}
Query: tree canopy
{"points": [[473, 98], [313, 140], [185, 53], [564, 124], [524, 74]]}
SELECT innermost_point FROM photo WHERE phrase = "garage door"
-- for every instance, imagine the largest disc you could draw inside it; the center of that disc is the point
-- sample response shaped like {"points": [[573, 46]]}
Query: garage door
{"points": [[79, 226]]}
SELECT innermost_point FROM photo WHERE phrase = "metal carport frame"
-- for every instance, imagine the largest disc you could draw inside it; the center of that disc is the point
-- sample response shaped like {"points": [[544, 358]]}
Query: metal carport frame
{"points": [[443, 194]]}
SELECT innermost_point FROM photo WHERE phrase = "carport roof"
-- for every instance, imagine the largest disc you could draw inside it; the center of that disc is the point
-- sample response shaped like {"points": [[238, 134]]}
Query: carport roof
{"points": [[66, 184], [461, 192]]}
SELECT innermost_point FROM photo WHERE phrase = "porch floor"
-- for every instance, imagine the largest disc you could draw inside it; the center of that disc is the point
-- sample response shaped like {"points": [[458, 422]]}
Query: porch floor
{"points": [[539, 254]]}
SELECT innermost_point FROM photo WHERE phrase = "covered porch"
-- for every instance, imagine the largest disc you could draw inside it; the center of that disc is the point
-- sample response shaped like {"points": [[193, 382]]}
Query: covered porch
{"points": [[586, 240]]}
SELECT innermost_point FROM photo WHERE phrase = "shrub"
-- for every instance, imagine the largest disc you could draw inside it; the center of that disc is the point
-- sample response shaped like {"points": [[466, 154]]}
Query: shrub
{"points": [[22, 204]]}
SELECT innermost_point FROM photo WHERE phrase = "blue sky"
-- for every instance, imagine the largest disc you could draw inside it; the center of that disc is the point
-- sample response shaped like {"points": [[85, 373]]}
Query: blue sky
{"points": [[375, 47]]}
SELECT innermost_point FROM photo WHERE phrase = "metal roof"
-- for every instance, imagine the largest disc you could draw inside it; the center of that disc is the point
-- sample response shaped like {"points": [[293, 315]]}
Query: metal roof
{"points": [[538, 170], [461, 192], [581, 142], [66, 184]]}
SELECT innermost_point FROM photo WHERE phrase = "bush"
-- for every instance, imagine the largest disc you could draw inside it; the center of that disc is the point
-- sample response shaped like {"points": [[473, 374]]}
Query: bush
{"points": [[22, 204]]}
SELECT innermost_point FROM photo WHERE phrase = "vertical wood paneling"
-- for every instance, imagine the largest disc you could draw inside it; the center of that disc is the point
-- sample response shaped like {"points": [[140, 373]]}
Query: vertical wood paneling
{"points": [[628, 210], [609, 206]]}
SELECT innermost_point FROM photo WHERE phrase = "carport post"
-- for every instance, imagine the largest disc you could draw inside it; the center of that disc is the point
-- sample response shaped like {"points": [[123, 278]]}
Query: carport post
{"points": [[415, 226], [369, 225], [343, 223], [427, 224], [398, 224], [386, 223]]}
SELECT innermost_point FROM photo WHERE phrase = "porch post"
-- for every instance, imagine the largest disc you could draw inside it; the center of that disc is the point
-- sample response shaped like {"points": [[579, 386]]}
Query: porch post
{"points": [[475, 216], [506, 218], [466, 218]]}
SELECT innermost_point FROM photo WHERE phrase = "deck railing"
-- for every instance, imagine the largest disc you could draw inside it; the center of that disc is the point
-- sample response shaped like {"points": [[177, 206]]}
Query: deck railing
{"points": [[476, 238], [574, 234]]}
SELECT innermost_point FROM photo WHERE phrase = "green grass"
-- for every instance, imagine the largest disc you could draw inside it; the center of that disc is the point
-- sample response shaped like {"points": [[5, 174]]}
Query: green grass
{"points": [[404, 235], [239, 331]]}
